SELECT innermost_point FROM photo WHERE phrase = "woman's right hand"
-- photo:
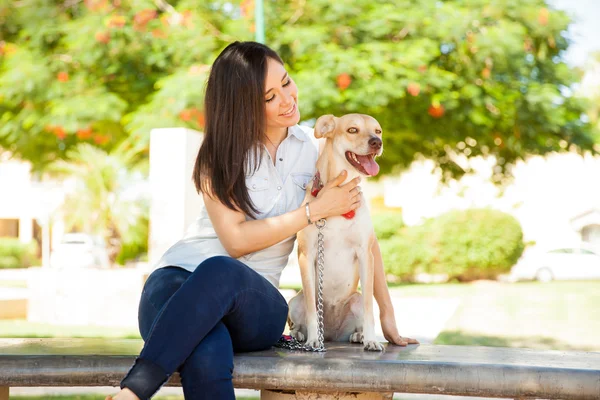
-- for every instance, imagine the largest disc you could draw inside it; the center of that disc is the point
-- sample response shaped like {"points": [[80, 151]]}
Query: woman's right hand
{"points": [[334, 199]]}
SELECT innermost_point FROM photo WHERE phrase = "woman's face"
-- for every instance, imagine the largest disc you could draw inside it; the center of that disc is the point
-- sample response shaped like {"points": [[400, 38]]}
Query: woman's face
{"points": [[281, 97]]}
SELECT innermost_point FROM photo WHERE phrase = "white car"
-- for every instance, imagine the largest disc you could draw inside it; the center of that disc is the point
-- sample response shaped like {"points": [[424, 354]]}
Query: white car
{"points": [[80, 250], [567, 263]]}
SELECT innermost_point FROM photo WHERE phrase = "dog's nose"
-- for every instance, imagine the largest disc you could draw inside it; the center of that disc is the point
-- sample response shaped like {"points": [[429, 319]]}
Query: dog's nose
{"points": [[375, 143]]}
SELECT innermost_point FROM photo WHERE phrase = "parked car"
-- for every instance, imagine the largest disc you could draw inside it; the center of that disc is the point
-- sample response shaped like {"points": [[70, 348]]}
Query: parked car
{"points": [[567, 263], [80, 250]]}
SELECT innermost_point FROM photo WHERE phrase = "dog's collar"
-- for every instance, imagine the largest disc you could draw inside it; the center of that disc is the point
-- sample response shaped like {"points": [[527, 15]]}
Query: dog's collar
{"points": [[316, 188]]}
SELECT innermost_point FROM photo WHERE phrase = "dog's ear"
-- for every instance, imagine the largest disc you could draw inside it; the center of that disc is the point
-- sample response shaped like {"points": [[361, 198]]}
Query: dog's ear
{"points": [[325, 126]]}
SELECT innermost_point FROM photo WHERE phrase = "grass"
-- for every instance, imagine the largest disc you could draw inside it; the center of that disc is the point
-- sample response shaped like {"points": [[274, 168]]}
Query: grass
{"points": [[24, 329], [13, 284], [557, 315]]}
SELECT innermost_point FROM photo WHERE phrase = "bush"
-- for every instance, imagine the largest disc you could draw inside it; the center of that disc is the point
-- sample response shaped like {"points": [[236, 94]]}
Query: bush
{"points": [[406, 253], [465, 245], [134, 247], [387, 224], [15, 254]]}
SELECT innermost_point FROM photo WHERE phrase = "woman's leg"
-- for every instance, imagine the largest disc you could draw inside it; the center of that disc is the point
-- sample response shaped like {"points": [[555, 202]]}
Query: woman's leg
{"points": [[208, 371], [220, 287]]}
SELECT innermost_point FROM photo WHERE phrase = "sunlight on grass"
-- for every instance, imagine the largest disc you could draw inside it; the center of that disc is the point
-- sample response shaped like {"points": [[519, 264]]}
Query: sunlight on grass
{"points": [[558, 315], [13, 284], [24, 329]]}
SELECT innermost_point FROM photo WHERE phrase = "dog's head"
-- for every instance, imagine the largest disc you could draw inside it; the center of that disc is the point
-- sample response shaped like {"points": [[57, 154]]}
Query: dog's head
{"points": [[356, 139]]}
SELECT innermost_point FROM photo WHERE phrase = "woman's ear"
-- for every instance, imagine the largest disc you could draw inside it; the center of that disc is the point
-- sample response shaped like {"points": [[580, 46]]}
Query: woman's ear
{"points": [[325, 126]]}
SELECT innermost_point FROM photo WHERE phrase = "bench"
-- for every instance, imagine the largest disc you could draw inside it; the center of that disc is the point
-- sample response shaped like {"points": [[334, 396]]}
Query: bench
{"points": [[344, 371]]}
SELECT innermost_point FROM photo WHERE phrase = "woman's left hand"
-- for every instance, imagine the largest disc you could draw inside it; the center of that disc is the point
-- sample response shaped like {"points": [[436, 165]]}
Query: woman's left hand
{"points": [[390, 331]]}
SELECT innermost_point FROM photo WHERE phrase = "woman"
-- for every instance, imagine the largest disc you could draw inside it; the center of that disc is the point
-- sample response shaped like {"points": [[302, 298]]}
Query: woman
{"points": [[215, 291]]}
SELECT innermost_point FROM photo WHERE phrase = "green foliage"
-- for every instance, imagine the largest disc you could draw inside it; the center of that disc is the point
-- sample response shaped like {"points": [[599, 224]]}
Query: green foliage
{"points": [[387, 224], [407, 253], [451, 78], [465, 245], [443, 78], [135, 247], [107, 200], [16, 254]]}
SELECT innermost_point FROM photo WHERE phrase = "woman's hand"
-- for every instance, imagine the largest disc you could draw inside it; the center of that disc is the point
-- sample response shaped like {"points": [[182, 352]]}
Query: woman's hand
{"points": [[390, 331], [334, 199]]}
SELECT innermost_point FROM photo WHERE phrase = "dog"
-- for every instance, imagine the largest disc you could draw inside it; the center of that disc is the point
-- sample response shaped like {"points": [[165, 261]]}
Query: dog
{"points": [[352, 143]]}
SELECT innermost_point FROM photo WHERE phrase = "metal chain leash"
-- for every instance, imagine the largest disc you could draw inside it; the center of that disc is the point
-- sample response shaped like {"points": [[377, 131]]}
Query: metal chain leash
{"points": [[288, 342]]}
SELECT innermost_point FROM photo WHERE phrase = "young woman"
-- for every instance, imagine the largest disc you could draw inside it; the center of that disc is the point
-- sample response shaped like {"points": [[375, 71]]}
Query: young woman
{"points": [[214, 292]]}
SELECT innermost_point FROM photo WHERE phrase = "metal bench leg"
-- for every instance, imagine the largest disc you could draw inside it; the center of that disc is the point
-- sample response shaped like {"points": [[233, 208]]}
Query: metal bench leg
{"points": [[4, 392], [303, 395]]}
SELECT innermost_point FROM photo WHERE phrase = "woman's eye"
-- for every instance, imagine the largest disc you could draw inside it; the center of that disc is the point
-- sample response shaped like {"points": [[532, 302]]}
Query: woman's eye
{"points": [[288, 82], [270, 99], [352, 130]]}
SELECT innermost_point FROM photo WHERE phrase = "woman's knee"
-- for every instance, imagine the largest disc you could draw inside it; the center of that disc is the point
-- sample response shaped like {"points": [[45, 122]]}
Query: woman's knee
{"points": [[158, 289], [223, 269]]}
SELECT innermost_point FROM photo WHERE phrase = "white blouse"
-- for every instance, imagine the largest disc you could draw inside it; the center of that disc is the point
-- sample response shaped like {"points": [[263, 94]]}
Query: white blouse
{"points": [[274, 189]]}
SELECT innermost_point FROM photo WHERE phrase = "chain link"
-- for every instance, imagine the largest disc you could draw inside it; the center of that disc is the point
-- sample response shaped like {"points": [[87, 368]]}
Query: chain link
{"points": [[290, 342]]}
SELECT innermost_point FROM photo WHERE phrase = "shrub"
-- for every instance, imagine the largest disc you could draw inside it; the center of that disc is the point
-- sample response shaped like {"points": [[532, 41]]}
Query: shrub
{"points": [[15, 254], [406, 253], [465, 245], [387, 224]]}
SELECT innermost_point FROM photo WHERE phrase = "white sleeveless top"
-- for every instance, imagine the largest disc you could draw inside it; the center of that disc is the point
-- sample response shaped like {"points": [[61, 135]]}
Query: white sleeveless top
{"points": [[274, 190]]}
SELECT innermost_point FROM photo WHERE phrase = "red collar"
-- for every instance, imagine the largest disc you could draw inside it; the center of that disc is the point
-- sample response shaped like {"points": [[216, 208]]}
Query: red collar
{"points": [[316, 188]]}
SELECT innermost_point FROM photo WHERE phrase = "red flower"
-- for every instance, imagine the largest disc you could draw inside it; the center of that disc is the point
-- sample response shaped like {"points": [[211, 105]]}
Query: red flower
{"points": [[84, 133], [141, 19], [436, 111], [63, 76], [343, 81], [102, 37], [413, 88]]}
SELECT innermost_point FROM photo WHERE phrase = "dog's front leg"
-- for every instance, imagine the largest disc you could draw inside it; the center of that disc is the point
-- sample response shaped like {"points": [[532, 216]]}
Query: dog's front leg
{"points": [[366, 265], [306, 260]]}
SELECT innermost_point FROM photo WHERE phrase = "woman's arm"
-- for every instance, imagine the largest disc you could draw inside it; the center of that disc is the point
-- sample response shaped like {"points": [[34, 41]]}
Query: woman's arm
{"points": [[384, 301], [240, 237]]}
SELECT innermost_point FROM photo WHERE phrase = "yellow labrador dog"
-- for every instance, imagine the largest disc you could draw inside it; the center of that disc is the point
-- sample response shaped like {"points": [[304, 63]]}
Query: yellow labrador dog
{"points": [[352, 143]]}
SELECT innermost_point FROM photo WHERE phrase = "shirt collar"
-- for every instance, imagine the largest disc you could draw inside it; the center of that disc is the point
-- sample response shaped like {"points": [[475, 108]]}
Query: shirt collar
{"points": [[298, 133]]}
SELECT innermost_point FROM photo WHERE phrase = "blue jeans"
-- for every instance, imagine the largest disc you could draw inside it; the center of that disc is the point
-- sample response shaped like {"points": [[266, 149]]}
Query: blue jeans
{"points": [[194, 322]]}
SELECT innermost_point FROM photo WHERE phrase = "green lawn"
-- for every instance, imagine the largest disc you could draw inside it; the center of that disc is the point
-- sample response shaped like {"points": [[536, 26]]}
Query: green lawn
{"points": [[13, 284], [558, 315]]}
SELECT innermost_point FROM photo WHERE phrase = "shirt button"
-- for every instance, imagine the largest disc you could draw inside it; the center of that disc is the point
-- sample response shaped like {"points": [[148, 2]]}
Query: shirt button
{"points": [[278, 187], [281, 159], [253, 186]]}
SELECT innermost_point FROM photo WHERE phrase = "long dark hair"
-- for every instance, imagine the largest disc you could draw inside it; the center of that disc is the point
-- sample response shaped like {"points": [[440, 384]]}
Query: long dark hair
{"points": [[234, 108]]}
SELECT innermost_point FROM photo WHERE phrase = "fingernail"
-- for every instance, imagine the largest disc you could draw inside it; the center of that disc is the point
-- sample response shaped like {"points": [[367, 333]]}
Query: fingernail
{"points": [[344, 172]]}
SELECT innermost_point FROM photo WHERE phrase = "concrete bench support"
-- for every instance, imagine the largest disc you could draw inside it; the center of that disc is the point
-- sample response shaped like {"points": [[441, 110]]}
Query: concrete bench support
{"points": [[345, 371]]}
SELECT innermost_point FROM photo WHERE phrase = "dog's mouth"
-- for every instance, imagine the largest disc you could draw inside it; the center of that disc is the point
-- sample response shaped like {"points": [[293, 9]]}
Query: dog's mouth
{"points": [[365, 164]]}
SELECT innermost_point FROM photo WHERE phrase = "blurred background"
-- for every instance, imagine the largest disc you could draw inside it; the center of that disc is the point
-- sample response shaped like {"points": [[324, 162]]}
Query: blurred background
{"points": [[487, 207]]}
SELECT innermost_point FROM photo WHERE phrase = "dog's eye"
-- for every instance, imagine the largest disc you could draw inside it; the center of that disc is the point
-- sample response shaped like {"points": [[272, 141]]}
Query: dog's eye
{"points": [[378, 131], [352, 130]]}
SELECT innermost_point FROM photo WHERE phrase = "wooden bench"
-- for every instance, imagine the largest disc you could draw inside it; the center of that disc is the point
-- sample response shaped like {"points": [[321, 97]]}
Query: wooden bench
{"points": [[344, 371]]}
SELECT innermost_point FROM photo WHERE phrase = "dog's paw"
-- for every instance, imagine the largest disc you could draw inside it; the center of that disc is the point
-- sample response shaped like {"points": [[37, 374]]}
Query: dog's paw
{"points": [[312, 342], [356, 337], [372, 345], [299, 336]]}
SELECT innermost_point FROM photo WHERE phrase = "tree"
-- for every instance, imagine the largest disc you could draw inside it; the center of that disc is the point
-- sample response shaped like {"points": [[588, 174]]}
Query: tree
{"points": [[106, 200], [468, 77], [458, 77]]}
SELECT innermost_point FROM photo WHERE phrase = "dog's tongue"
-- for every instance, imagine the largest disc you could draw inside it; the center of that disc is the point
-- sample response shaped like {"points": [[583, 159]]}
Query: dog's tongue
{"points": [[369, 164]]}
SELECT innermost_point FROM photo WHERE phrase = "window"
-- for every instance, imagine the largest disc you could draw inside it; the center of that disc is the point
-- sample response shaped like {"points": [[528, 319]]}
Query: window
{"points": [[9, 228]]}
